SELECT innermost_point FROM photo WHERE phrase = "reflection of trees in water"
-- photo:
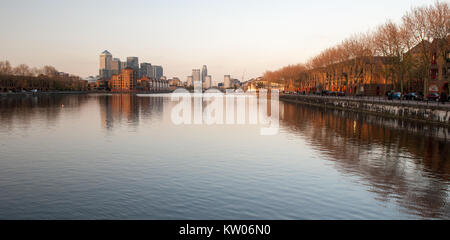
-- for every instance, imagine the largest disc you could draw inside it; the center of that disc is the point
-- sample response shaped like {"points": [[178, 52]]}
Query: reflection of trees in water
{"points": [[24, 109], [399, 165], [128, 109]]}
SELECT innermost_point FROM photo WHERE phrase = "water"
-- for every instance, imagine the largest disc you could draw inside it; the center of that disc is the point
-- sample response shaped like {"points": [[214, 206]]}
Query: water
{"points": [[121, 157]]}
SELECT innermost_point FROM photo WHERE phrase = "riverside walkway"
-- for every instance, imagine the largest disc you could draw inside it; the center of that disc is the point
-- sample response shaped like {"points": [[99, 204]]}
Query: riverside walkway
{"points": [[374, 99]]}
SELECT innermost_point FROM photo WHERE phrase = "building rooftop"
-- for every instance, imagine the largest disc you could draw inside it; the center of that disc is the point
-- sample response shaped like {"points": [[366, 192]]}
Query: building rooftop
{"points": [[144, 78], [106, 52]]}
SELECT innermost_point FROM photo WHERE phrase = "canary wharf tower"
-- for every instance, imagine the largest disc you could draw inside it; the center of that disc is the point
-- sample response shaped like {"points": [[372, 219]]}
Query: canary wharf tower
{"points": [[105, 65]]}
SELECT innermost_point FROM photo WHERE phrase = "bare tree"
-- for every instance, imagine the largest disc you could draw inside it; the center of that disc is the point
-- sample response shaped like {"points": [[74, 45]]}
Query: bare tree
{"points": [[438, 20], [50, 71], [417, 22], [22, 70], [5, 68]]}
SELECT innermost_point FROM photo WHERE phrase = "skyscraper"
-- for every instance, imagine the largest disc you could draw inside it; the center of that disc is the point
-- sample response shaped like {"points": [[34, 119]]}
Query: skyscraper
{"points": [[133, 62], [115, 66], [123, 65], [208, 82], [197, 81], [196, 78], [227, 83], [105, 65], [157, 72], [146, 70], [196, 75], [204, 73]]}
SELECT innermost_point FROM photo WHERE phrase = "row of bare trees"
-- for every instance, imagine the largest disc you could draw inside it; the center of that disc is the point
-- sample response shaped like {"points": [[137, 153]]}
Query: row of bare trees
{"points": [[421, 29], [286, 74], [46, 78], [25, 70]]}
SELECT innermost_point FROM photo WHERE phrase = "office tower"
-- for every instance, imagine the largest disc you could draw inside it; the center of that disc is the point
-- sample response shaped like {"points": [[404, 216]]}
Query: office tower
{"points": [[204, 73], [197, 81], [208, 82], [227, 82], [123, 65], [133, 62], [146, 70], [105, 60], [189, 81], [105, 65], [157, 72], [196, 75], [115, 66]]}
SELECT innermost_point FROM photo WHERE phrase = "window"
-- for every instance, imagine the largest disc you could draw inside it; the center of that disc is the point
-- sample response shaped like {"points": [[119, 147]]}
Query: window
{"points": [[433, 74]]}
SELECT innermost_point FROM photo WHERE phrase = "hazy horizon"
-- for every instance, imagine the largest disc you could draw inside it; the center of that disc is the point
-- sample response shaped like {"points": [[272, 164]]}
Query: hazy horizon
{"points": [[230, 37]]}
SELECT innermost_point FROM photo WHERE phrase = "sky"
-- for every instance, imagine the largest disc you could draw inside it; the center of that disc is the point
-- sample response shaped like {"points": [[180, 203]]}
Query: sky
{"points": [[243, 38]]}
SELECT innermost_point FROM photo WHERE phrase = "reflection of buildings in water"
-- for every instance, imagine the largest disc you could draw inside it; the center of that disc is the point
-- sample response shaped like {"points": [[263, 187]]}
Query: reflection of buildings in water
{"points": [[119, 108], [150, 107], [23, 109], [397, 164], [129, 109]]}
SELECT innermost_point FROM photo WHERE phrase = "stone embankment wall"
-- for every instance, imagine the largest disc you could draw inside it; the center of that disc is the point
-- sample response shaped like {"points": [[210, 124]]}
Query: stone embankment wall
{"points": [[409, 110]]}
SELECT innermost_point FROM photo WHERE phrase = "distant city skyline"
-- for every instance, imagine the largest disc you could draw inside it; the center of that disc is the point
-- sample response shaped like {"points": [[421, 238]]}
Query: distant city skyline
{"points": [[110, 65], [231, 37]]}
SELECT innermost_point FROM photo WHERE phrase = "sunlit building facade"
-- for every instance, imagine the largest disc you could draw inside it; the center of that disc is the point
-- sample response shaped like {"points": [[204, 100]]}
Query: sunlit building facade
{"points": [[207, 82], [227, 82], [356, 76], [105, 65], [125, 81]]}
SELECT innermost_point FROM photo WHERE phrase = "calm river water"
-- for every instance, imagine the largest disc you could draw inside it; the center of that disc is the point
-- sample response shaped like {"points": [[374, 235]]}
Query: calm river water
{"points": [[121, 157]]}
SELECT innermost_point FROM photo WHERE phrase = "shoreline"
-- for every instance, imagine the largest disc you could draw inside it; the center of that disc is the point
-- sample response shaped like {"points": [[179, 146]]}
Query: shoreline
{"points": [[438, 115], [74, 92]]}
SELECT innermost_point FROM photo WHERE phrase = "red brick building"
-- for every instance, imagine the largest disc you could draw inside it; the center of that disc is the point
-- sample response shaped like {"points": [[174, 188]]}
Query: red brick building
{"points": [[125, 81]]}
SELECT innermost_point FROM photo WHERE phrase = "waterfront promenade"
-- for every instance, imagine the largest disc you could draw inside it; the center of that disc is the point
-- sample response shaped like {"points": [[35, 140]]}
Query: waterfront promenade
{"points": [[422, 111], [375, 99]]}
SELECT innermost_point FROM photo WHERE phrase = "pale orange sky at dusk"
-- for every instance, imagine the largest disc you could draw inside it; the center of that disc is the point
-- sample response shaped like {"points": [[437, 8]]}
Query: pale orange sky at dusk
{"points": [[230, 37]]}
